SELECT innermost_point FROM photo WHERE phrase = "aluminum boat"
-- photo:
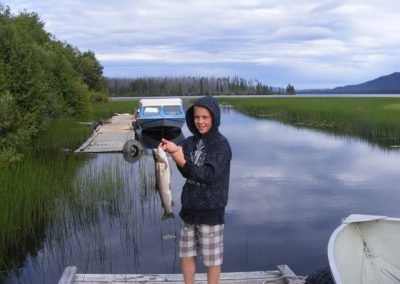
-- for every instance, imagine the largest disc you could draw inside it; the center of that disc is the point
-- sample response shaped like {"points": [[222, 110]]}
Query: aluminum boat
{"points": [[365, 249], [155, 114]]}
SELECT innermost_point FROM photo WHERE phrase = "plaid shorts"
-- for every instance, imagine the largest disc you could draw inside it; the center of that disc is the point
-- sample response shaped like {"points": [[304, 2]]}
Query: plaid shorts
{"points": [[205, 240]]}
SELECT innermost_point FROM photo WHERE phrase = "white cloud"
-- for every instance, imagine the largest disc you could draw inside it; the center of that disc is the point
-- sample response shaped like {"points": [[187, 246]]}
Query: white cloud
{"points": [[344, 41]]}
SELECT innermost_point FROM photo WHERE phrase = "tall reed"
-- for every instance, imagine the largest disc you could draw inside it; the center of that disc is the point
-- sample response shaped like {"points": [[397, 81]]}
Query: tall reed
{"points": [[29, 189], [374, 119], [101, 111]]}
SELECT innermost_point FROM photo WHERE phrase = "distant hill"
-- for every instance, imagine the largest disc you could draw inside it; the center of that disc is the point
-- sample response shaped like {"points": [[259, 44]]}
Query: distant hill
{"points": [[389, 84]]}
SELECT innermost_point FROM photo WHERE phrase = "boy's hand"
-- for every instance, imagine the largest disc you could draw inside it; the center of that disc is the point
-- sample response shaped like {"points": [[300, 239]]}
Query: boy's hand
{"points": [[168, 146], [175, 151]]}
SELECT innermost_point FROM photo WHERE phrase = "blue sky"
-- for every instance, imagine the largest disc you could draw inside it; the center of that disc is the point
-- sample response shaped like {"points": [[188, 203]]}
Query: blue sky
{"points": [[308, 43]]}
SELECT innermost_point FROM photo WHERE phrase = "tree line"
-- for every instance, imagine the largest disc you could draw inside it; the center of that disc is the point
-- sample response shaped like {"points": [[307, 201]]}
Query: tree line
{"points": [[40, 78], [187, 86]]}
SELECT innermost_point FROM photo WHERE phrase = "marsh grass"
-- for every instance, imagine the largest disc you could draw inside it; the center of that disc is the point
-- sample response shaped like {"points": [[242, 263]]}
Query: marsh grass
{"points": [[62, 135], [101, 111], [31, 188], [96, 186], [27, 191], [376, 120], [147, 178]]}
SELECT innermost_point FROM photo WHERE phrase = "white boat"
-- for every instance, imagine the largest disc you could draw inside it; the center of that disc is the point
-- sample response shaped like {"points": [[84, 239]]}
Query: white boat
{"points": [[365, 249], [160, 114]]}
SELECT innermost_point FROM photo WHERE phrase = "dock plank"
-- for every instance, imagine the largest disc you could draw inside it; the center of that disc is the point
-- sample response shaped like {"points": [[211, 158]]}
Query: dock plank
{"points": [[289, 275], [252, 277], [110, 136], [68, 275]]}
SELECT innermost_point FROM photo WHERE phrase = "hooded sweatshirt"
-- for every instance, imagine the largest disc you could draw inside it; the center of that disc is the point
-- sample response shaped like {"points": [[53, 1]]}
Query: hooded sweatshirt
{"points": [[207, 169]]}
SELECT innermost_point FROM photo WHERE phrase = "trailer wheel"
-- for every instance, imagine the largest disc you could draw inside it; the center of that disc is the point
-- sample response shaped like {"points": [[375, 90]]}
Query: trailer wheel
{"points": [[321, 276], [132, 150]]}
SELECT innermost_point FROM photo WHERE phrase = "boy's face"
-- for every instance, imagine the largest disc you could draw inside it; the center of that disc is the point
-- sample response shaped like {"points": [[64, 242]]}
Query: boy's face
{"points": [[202, 119]]}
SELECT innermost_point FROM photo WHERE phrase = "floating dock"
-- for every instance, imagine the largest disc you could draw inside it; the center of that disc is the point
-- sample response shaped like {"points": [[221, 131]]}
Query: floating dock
{"points": [[110, 135], [284, 275]]}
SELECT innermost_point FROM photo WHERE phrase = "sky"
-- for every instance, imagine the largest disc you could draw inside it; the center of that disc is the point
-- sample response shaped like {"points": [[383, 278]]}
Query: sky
{"points": [[307, 43]]}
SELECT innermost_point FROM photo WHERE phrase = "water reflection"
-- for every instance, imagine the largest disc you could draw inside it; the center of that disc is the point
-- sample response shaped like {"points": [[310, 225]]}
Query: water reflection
{"points": [[110, 222], [289, 189], [370, 136]]}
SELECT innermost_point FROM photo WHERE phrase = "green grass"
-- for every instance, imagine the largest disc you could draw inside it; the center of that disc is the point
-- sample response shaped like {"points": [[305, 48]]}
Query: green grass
{"points": [[100, 111], [26, 194], [48, 173], [375, 119]]}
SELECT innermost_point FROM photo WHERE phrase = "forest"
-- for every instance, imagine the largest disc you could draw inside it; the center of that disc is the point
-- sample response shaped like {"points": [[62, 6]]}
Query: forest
{"points": [[190, 86], [41, 78]]}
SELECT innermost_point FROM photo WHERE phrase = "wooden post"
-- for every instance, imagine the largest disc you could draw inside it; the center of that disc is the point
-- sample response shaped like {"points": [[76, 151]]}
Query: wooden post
{"points": [[289, 275], [68, 275]]}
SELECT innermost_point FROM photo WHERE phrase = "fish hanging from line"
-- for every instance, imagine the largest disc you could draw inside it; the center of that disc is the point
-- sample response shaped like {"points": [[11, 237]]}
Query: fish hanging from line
{"points": [[163, 182]]}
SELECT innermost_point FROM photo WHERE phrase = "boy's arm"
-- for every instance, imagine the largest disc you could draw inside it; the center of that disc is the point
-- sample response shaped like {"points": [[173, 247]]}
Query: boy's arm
{"points": [[178, 157]]}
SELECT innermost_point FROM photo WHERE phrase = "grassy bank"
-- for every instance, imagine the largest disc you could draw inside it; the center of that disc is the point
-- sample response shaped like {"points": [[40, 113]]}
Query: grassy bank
{"points": [[47, 172], [108, 109], [374, 119]]}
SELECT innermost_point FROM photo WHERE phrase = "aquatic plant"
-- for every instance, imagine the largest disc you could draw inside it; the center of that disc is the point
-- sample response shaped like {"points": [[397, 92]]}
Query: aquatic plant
{"points": [[100, 111], [374, 119], [31, 189]]}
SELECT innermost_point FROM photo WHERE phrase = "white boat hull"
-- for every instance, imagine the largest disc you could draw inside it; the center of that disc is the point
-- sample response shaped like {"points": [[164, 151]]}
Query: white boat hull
{"points": [[365, 249]]}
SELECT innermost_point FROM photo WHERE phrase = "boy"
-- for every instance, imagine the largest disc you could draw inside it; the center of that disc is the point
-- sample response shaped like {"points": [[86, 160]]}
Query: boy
{"points": [[204, 160]]}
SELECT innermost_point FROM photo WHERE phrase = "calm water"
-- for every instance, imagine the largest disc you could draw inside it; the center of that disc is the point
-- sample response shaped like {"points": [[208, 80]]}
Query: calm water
{"points": [[290, 187]]}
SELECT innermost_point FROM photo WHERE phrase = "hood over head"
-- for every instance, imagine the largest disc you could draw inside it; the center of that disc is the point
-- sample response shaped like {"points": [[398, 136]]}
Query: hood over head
{"points": [[209, 103]]}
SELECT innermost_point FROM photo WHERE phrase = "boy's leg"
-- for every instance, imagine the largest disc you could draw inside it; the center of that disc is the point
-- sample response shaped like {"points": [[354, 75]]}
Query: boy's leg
{"points": [[211, 248], [189, 269], [187, 251], [213, 273]]}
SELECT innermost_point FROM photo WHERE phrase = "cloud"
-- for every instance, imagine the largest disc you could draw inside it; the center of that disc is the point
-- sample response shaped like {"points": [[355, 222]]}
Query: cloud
{"points": [[314, 43]]}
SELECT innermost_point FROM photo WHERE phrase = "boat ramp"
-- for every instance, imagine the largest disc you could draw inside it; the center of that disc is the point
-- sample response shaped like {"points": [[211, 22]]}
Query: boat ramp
{"points": [[284, 275]]}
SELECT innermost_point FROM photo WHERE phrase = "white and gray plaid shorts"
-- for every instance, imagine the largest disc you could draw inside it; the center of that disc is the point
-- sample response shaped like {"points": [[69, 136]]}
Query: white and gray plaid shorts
{"points": [[205, 240]]}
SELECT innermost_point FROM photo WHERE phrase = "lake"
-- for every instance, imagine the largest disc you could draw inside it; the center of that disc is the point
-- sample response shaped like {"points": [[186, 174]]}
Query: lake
{"points": [[290, 188]]}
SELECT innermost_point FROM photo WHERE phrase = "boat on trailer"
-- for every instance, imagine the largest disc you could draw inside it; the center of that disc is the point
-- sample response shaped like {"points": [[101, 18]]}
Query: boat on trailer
{"points": [[160, 114], [365, 249]]}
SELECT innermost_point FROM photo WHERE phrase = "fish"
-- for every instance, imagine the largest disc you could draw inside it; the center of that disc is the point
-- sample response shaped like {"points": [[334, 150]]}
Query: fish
{"points": [[163, 182]]}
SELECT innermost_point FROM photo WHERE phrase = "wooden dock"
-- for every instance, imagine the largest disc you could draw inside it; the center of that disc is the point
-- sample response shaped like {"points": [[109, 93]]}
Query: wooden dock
{"points": [[281, 276], [110, 136]]}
